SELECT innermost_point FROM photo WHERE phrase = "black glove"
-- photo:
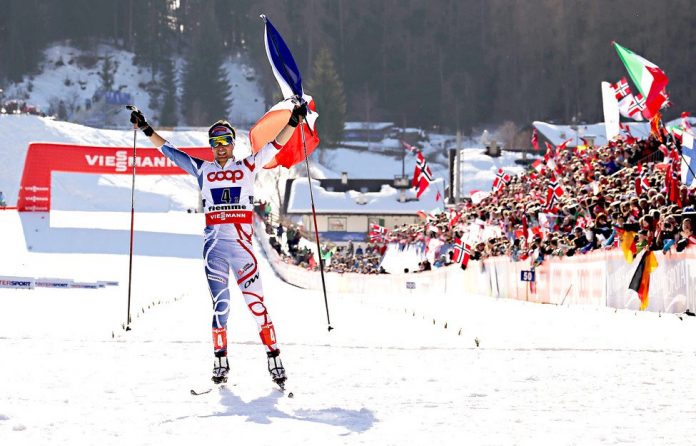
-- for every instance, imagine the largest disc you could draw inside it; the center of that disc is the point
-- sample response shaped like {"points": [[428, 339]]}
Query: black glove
{"points": [[297, 112], [138, 119]]}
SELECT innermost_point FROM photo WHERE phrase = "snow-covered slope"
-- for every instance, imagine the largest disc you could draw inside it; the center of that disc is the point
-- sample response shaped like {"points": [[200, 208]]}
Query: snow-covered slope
{"points": [[180, 192], [64, 75], [397, 369]]}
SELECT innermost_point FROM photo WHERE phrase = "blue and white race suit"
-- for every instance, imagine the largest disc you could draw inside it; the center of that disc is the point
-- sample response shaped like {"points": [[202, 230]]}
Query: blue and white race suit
{"points": [[228, 203]]}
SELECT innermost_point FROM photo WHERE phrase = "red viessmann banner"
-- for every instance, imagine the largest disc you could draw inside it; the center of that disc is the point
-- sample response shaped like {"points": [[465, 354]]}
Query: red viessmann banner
{"points": [[45, 158]]}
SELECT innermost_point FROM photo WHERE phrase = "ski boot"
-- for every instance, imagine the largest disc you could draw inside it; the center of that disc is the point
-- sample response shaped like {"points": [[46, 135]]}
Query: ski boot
{"points": [[220, 370], [276, 369]]}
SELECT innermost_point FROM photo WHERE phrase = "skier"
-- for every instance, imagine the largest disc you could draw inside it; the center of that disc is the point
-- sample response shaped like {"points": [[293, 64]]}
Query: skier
{"points": [[227, 189]]}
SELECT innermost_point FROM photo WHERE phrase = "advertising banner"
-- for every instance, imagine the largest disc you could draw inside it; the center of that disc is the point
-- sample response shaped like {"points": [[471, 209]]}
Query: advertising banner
{"points": [[17, 282], [45, 158]]}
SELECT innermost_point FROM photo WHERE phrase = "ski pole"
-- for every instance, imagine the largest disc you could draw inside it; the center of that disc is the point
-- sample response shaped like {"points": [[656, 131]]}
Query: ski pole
{"points": [[316, 230], [132, 221]]}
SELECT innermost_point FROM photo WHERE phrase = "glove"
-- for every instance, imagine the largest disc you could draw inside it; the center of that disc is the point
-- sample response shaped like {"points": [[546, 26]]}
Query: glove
{"points": [[138, 119], [297, 113]]}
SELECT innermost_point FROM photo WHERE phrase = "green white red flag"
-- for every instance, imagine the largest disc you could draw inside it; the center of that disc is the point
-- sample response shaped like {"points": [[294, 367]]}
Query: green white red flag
{"points": [[648, 78]]}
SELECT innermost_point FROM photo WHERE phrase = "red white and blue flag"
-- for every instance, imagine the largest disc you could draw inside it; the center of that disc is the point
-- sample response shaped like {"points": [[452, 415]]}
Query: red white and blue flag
{"points": [[377, 233], [621, 89], [290, 81], [554, 192], [461, 252], [422, 176], [501, 180]]}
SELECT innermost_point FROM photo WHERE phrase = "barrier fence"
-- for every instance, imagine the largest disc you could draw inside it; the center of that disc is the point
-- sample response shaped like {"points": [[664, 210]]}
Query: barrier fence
{"points": [[597, 279]]}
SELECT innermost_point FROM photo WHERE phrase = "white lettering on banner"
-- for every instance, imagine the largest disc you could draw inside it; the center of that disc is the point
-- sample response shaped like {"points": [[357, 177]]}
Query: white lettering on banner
{"points": [[225, 217], [37, 208], [35, 189], [122, 161], [35, 199]]}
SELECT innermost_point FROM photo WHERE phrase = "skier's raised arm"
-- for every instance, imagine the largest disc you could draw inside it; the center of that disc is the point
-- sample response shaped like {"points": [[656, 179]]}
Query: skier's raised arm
{"points": [[141, 123], [183, 160]]}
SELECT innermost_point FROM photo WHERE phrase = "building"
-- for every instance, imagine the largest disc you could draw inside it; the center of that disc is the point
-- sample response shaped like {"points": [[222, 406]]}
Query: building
{"points": [[367, 131], [345, 208]]}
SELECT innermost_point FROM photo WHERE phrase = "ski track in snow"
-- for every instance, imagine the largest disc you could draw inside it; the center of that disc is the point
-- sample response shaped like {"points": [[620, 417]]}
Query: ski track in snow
{"points": [[386, 375], [389, 374]]}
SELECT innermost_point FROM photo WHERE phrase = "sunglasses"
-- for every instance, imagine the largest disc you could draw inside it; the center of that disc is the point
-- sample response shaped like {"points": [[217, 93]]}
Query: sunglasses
{"points": [[224, 140]]}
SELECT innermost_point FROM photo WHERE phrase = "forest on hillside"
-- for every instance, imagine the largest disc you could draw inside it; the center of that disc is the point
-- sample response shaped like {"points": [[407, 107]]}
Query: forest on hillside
{"points": [[447, 63]]}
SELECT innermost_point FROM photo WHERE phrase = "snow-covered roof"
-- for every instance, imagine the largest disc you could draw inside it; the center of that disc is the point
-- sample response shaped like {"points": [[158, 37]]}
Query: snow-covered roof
{"points": [[368, 125], [559, 133], [385, 201]]}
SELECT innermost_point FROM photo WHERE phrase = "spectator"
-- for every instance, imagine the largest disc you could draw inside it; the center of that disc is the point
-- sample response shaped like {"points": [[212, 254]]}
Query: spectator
{"points": [[2, 199]]}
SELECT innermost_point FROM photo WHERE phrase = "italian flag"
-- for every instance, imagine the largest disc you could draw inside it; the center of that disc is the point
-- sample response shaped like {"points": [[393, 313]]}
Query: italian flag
{"points": [[648, 78]]}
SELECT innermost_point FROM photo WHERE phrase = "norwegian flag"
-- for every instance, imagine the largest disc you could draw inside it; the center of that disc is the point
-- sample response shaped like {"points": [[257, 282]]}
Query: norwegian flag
{"points": [[621, 89], [535, 139], [634, 108], [422, 176], [641, 181], [631, 107], [553, 193], [501, 180], [377, 233], [462, 252], [640, 101]]}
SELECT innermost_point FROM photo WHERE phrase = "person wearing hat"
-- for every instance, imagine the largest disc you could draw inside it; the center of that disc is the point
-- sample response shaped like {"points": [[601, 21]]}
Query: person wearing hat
{"points": [[227, 190]]}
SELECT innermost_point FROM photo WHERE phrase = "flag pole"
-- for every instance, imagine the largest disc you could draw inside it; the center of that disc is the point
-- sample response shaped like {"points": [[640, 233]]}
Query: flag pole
{"points": [[316, 229]]}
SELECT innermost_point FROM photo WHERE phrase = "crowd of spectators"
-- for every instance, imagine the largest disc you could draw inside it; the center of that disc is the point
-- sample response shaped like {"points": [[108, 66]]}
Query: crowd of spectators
{"points": [[17, 107], [599, 207], [341, 259]]}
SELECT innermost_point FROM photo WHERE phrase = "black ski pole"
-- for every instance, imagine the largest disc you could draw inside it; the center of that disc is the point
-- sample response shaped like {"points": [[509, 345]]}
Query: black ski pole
{"points": [[132, 221], [316, 230]]}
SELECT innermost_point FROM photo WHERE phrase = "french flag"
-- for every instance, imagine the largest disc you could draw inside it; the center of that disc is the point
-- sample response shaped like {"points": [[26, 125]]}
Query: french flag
{"points": [[288, 77]]}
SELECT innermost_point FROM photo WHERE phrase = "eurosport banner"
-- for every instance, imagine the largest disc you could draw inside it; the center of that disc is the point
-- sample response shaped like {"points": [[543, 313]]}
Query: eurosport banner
{"points": [[45, 158], [25, 283]]}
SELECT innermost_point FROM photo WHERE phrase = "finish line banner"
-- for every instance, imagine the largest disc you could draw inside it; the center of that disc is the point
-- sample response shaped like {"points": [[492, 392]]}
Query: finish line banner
{"points": [[45, 158]]}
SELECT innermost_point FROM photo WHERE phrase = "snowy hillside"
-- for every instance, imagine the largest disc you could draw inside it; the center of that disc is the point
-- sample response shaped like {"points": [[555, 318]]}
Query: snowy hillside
{"points": [[179, 192], [72, 75]]}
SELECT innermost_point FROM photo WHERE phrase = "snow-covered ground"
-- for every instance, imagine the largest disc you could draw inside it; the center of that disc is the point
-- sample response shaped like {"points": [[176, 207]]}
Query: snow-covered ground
{"points": [[397, 369], [389, 373]]}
